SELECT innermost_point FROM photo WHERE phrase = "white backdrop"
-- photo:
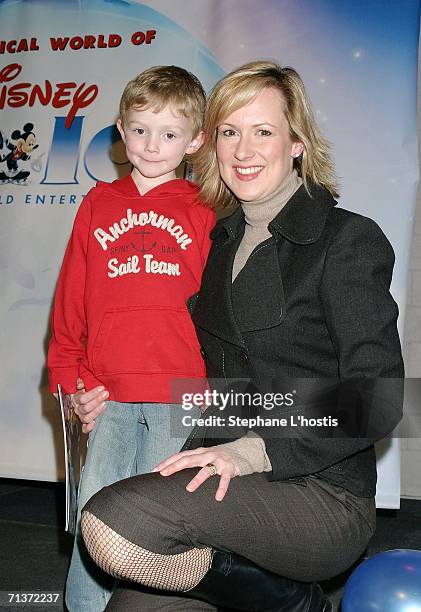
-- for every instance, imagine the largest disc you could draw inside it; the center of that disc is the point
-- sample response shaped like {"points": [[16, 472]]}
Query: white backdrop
{"points": [[360, 71]]}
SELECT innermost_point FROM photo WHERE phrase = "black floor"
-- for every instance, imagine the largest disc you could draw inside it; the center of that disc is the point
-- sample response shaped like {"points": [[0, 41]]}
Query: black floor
{"points": [[34, 550]]}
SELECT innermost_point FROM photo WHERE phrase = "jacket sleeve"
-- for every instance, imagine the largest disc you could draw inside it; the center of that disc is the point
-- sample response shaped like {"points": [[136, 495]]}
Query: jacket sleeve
{"points": [[360, 315], [68, 322]]}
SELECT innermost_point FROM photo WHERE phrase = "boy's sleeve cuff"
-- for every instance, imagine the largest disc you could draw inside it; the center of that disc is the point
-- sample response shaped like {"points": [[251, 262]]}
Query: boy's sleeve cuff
{"points": [[90, 381], [66, 377]]}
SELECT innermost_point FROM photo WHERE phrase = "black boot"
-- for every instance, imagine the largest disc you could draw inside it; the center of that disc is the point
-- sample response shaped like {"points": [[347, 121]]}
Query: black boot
{"points": [[236, 583]]}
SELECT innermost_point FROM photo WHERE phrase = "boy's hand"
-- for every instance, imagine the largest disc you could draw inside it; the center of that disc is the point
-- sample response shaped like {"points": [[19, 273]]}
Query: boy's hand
{"points": [[89, 404]]}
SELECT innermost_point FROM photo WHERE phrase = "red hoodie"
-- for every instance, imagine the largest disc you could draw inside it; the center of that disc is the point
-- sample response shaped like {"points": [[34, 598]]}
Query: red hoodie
{"points": [[120, 317]]}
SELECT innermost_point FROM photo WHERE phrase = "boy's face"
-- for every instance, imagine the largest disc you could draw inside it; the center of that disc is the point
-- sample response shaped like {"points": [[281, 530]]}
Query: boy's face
{"points": [[156, 143]]}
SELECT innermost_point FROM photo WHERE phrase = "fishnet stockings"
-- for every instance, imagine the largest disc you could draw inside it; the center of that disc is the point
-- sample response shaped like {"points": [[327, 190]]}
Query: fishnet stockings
{"points": [[125, 560]]}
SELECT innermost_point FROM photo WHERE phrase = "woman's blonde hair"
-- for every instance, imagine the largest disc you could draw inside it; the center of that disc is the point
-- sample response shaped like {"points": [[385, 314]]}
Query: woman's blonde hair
{"points": [[239, 88]]}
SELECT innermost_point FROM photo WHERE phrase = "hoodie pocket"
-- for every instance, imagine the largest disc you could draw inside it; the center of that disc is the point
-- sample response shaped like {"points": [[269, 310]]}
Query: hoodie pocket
{"points": [[149, 340]]}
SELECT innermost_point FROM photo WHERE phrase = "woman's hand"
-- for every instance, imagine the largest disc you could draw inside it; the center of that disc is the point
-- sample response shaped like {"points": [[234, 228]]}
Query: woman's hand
{"points": [[201, 457], [88, 404]]}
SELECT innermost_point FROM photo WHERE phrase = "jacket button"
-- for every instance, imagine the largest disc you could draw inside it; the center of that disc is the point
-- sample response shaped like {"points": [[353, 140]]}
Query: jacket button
{"points": [[203, 352], [243, 356]]}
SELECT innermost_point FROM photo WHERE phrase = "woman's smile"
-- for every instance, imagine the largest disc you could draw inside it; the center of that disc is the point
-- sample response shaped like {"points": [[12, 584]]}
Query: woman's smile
{"points": [[247, 173]]}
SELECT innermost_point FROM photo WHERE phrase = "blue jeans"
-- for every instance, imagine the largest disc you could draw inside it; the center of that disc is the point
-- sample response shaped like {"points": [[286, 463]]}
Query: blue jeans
{"points": [[128, 439]]}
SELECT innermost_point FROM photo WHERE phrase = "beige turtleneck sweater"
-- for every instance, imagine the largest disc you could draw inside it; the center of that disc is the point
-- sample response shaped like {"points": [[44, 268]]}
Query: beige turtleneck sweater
{"points": [[249, 453], [258, 214]]}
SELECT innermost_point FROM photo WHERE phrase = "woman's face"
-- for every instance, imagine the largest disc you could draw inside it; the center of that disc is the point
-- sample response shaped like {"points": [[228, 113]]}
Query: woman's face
{"points": [[254, 149]]}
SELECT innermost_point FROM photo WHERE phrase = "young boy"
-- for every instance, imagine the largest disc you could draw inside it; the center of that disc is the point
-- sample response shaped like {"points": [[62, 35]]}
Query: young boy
{"points": [[120, 321]]}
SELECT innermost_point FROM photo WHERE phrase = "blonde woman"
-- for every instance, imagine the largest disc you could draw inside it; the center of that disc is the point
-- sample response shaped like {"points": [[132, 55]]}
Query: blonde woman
{"points": [[294, 289]]}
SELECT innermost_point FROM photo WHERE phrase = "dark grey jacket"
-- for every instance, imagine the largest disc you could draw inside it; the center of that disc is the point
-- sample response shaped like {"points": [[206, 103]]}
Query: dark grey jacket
{"points": [[312, 301]]}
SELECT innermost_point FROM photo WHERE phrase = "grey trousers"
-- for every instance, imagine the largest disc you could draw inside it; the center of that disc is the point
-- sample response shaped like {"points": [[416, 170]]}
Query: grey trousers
{"points": [[307, 532]]}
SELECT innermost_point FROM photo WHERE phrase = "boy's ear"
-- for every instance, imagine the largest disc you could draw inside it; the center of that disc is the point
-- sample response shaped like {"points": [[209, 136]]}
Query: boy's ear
{"points": [[121, 130], [196, 143]]}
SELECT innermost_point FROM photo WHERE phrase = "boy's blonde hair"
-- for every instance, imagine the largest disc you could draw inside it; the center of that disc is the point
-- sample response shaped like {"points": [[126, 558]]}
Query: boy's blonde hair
{"points": [[239, 88], [160, 86]]}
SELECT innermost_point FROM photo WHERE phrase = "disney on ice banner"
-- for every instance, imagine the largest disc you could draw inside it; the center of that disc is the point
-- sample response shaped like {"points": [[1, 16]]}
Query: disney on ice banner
{"points": [[63, 66]]}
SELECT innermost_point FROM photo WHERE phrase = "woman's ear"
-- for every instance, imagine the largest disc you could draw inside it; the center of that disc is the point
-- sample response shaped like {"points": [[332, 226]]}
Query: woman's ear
{"points": [[196, 143], [121, 130], [297, 149]]}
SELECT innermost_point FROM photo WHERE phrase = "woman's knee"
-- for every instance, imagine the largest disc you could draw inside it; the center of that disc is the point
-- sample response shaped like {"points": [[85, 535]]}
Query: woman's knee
{"points": [[102, 543], [112, 552], [122, 559]]}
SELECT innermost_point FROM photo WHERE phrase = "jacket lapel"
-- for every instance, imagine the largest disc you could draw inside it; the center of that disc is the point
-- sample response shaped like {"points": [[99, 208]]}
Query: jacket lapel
{"points": [[213, 310], [303, 218], [257, 292]]}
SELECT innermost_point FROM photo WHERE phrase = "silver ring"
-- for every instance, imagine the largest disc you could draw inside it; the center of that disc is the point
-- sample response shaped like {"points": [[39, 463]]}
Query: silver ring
{"points": [[212, 469]]}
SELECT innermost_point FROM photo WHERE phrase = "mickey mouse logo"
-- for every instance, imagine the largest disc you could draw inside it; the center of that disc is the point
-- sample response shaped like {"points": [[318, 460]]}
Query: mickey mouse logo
{"points": [[19, 151]]}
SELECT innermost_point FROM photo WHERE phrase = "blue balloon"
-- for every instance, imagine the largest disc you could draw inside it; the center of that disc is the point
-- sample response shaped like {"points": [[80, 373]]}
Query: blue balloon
{"points": [[387, 582]]}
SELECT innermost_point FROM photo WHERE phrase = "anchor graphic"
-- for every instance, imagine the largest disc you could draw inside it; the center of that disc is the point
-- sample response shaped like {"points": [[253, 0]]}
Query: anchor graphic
{"points": [[144, 233]]}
